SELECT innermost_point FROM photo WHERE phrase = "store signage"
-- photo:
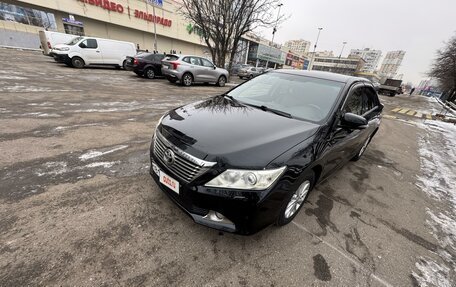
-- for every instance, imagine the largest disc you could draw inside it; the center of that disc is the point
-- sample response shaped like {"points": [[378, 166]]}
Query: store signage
{"points": [[72, 21], [119, 8], [156, 2]]}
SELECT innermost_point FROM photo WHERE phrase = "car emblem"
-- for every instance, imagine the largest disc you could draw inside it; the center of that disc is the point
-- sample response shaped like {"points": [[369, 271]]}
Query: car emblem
{"points": [[169, 157]]}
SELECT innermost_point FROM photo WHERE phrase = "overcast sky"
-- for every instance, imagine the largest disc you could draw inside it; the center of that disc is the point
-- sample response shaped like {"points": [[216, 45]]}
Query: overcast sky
{"points": [[418, 27]]}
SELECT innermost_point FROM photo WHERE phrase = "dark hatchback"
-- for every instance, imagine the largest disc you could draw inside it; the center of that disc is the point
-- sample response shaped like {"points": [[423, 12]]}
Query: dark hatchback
{"points": [[146, 64], [246, 159]]}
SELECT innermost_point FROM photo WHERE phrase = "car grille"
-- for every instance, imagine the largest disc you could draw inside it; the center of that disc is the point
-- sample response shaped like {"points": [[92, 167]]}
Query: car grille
{"points": [[185, 166]]}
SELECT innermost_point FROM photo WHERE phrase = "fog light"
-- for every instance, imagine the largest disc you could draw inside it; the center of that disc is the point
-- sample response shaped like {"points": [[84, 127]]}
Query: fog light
{"points": [[219, 215]]}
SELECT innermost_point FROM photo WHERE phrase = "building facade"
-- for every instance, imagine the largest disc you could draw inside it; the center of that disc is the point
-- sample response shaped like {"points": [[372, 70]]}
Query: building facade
{"points": [[371, 58], [391, 64], [137, 21], [345, 66], [298, 46]]}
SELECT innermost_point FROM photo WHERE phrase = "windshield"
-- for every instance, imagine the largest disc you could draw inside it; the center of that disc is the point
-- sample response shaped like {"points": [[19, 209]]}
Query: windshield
{"points": [[302, 97], [74, 41]]}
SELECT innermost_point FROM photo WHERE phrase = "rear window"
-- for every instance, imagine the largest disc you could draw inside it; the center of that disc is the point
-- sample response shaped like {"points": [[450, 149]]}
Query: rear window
{"points": [[171, 58], [143, 55]]}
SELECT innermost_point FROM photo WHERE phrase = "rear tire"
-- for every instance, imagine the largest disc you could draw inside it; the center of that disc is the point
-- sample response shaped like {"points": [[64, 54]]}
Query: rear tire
{"points": [[149, 73], [251, 77], [187, 79], [77, 62], [221, 81], [296, 200], [124, 65]]}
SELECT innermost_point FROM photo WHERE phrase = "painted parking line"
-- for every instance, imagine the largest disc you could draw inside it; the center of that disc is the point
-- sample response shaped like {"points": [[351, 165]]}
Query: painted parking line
{"points": [[428, 116], [403, 111], [411, 113], [396, 110], [418, 115]]}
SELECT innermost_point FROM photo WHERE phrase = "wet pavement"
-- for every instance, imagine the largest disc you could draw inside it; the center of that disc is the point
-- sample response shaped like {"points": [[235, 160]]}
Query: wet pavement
{"points": [[78, 207]]}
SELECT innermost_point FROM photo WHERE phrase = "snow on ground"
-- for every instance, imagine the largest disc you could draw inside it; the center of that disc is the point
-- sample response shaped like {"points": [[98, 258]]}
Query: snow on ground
{"points": [[96, 153], [437, 148]]}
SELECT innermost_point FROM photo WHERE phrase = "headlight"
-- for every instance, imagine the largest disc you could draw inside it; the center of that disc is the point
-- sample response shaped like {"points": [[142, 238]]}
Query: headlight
{"points": [[246, 179], [65, 49]]}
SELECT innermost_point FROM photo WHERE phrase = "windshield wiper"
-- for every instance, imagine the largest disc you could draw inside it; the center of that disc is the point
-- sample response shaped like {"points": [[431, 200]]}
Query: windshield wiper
{"points": [[277, 112], [229, 97]]}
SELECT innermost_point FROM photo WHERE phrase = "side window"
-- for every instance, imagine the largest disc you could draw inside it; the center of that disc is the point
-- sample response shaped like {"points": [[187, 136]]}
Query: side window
{"points": [[89, 44], [195, 61], [354, 102], [253, 70], [370, 100], [206, 63], [186, 59]]}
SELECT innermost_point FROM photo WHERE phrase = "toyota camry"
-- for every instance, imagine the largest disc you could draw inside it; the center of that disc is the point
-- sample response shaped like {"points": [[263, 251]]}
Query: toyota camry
{"points": [[249, 158]]}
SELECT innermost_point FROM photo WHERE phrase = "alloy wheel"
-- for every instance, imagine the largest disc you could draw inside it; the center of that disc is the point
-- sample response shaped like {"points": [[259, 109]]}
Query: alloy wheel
{"points": [[187, 79], [297, 199], [150, 74], [221, 81]]}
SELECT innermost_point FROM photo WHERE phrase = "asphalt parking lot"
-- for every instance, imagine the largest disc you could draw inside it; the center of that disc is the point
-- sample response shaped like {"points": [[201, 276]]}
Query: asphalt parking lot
{"points": [[78, 207]]}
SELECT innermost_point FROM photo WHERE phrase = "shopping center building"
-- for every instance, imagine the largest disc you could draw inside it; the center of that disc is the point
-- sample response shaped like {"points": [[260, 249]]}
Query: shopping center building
{"points": [[137, 21]]}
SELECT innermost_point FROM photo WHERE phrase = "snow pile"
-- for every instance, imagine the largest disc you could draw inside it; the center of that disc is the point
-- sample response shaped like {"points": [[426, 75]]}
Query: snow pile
{"points": [[437, 148]]}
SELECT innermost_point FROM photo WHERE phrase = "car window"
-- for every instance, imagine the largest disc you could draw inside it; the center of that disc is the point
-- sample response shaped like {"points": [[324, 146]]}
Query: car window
{"points": [[303, 97], [354, 102], [74, 41], [206, 63], [195, 61], [171, 58], [90, 43], [186, 59]]}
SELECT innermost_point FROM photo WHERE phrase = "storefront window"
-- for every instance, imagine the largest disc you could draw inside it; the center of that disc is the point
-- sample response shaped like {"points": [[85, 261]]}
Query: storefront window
{"points": [[28, 16]]}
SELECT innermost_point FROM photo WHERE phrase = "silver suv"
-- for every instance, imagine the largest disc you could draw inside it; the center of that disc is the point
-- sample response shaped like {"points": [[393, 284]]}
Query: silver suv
{"points": [[188, 69]]}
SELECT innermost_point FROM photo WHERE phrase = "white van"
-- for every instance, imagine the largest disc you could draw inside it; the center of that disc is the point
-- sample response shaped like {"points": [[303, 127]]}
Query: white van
{"points": [[49, 39], [84, 51]]}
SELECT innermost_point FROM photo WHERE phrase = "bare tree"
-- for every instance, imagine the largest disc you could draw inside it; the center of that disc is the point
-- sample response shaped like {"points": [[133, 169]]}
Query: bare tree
{"points": [[444, 68], [224, 22]]}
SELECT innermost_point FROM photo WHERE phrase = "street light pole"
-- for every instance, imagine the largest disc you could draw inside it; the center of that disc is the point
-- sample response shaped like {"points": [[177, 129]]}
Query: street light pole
{"points": [[315, 48], [343, 46], [274, 30], [155, 29]]}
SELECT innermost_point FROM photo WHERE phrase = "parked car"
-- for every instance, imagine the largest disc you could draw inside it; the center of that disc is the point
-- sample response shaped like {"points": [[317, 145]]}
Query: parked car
{"points": [[146, 64], [246, 159], [250, 72], [49, 39], [84, 51], [236, 67], [188, 69]]}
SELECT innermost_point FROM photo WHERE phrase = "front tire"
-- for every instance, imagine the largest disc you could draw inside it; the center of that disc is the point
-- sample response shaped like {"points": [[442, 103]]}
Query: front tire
{"points": [[77, 62], [187, 80], [221, 81], [295, 200]]}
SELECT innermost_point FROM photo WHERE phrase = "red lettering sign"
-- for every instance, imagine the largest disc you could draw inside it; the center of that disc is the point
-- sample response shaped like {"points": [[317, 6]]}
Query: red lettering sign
{"points": [[151, 18], [106, 4]]}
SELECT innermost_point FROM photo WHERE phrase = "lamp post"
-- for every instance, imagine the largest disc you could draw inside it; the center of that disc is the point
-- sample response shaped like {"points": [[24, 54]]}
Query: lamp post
{"points": [[155, 29], [315, 48], [343, 46], [274, 30]]}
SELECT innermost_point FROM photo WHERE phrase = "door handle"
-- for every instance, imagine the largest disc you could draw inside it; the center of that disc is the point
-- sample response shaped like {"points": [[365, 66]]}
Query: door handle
{"points": [[98, 51]]}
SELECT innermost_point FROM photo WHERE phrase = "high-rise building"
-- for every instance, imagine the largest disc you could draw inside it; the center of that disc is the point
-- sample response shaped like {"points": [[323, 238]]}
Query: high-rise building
{"points": [[371, 58], [299, 46], [391, 64]]}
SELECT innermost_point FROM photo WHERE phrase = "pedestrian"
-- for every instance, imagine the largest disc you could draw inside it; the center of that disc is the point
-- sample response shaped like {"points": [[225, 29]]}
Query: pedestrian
{"points": [[411, 91]]}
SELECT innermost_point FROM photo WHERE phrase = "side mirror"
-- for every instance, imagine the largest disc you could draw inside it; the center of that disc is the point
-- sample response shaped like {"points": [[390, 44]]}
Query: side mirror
{"points": [[215, 67], [353, 121]]}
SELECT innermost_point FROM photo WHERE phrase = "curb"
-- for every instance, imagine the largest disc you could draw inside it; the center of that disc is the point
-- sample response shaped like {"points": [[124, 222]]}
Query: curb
{"points": [[19, 48]]}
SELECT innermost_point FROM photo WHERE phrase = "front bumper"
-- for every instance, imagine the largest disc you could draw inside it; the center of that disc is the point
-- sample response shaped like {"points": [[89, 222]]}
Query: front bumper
{"points": [[246, 212]]}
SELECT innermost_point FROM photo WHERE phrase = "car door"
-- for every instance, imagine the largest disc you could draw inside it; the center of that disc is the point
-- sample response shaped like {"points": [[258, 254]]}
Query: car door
{"points": [[342, 143], [209, 74], [91, 51], [195, 67]]}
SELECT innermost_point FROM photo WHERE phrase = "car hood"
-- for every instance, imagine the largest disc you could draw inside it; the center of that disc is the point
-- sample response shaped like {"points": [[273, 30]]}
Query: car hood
{"points": [[232, 134], [59, 47]]}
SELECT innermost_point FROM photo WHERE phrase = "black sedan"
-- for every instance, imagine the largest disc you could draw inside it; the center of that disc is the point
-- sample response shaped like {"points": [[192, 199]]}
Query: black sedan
{"points": [[145, 64], [246, 159]]}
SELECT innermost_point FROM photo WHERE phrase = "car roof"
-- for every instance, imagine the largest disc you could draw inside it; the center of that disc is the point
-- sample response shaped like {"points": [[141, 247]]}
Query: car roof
{"points": [[324, 75]]}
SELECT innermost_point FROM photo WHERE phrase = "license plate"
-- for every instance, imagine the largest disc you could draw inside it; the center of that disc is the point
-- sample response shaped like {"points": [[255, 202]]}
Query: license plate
{"points": [[165, 179]]}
